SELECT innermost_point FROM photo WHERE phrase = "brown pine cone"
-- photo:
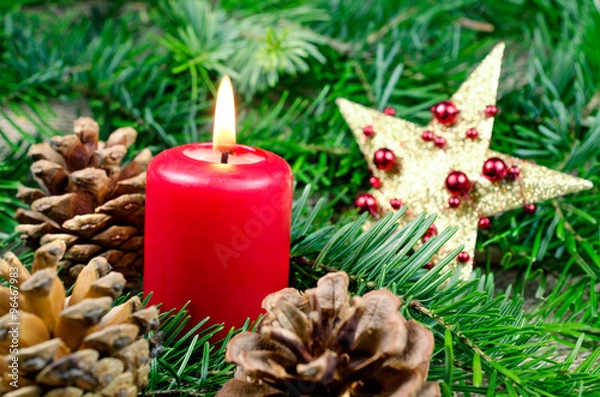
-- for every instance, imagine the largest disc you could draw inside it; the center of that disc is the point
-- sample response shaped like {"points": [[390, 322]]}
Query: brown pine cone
{"points": [[76, 345], [87, 199], [322, 343]]}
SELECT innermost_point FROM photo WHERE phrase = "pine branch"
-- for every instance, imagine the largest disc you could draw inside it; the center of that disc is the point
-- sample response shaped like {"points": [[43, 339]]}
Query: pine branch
{"points": [[108, 101], [418, 307], [516, 352], [393, 23]]}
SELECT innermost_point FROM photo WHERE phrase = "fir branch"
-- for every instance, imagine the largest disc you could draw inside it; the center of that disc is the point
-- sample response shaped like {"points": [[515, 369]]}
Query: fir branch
{"points": [[419, 308], [108, 101], [364, 81], [567, 225], [393, 23]]}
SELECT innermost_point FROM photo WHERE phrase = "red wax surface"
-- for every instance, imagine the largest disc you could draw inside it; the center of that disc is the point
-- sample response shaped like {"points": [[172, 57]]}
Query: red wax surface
{"points": [[217, 235]]}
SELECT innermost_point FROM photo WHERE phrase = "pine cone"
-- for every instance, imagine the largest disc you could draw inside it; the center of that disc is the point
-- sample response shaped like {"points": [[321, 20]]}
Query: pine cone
{"points": [[87, 199], [322, 343], [76, 345]]}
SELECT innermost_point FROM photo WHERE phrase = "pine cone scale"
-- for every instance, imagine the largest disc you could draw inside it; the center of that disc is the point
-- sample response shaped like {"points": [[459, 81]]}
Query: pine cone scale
{"points": [[43, 151], [70, 147], [51, 177], [88, 225], [28, 195]]}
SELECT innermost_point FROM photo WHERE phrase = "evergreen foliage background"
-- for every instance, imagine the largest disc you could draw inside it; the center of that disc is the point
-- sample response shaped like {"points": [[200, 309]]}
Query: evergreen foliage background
{"points": [[155, 65]]}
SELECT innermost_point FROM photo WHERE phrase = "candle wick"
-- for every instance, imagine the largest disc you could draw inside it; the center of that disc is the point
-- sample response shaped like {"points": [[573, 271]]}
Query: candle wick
{"points": [[225, 156]]}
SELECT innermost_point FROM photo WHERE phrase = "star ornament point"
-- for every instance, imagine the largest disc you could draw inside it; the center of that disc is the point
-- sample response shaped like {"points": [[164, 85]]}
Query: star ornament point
{"points": [[446, 167]]}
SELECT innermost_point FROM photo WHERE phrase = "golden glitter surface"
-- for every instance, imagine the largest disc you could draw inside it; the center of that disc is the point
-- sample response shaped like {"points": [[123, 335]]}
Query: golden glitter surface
{"points": [[419, 178]]}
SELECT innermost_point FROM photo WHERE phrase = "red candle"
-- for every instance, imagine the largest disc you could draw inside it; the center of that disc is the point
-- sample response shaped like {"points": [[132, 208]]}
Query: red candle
{"points": [[217, 224]]}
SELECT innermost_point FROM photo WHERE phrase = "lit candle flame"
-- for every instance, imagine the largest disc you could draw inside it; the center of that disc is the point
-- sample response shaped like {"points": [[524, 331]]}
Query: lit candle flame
{"points": [[224, 128]]}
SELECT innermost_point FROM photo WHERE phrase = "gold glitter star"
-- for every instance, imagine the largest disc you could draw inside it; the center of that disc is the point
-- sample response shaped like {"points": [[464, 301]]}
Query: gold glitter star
{"points": [[419, 177]]}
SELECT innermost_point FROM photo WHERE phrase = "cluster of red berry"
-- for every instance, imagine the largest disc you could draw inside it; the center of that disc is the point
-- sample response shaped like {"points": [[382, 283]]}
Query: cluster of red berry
{"points": [[457, 182]]}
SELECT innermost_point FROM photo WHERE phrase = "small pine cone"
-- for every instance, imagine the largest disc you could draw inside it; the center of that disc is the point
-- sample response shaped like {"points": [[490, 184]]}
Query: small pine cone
{"points": [[88, 199], [322, 343], [76, 345]]}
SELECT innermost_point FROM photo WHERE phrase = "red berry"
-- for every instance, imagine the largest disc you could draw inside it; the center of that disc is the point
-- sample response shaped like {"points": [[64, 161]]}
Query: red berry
{"points": [[375, 182], [457, 183], [439, 141], [491, 111], [485, 223], [429, 265], [494, 169], [427, 136], [389, 111], [472, 133], [366, 203], [432, 231], [454, 202], [384, 159], [529, 208], [463, 257], [513, 173], [396, 203], [445, 113], [368, 131]]}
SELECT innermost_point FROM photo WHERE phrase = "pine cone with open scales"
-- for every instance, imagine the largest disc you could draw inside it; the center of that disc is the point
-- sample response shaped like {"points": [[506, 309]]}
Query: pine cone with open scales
{"points": [[88, 199], [322, 343], [75, 346]]}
